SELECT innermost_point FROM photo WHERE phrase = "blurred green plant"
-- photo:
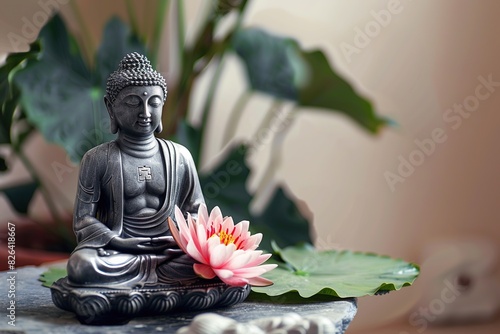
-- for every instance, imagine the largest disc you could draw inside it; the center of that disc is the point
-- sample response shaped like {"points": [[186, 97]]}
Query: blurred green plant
{"points": [[57, 89], [14, 131]]}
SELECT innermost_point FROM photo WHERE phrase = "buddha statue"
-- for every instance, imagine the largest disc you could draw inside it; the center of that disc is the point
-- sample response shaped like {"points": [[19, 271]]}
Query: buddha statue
{"points": [[126, 262], [129, 187]]}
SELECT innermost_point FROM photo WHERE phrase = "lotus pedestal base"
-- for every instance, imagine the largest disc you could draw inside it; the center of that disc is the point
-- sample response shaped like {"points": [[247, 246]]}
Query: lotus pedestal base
{"points": [[104, 306]]}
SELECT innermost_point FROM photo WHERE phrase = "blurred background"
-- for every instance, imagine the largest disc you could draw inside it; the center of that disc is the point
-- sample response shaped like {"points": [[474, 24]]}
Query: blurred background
{"points": [[426, 190]]}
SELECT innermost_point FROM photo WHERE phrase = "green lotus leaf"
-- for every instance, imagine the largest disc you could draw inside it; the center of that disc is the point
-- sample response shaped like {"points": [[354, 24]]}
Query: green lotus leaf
{"points": [[344, 274], [51, 275]]}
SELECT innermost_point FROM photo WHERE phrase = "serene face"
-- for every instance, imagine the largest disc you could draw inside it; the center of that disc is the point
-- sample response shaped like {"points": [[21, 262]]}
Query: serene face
{"points": [[137, 110]]}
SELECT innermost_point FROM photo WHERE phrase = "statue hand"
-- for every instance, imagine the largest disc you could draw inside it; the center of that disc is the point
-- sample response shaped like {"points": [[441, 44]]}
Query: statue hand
{"points": [[164, 242], [136, 244]]}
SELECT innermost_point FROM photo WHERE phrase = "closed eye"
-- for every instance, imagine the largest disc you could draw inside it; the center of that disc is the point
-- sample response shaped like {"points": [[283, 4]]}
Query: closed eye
{"points": [[133, 101], [155, 101]]}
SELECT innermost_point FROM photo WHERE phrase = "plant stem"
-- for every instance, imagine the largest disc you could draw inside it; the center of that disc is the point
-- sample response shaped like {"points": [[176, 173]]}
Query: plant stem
{"points": [[88, 41], [145, 19], [182, 92], [215, 80], [235, 116], [208, 102], [132, 17], [181, 35], [188, 58], [276, 151], [268, 117], [189, 73], [240, 15], [161, 12]]}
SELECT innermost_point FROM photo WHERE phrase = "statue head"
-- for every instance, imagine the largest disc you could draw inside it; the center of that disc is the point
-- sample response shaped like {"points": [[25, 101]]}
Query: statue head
{"points": [[134, 70]]}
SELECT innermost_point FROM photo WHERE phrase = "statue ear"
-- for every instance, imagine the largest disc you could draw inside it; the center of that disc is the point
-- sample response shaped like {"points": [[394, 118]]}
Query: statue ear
{"points": [[159, 128], [109, 107]]}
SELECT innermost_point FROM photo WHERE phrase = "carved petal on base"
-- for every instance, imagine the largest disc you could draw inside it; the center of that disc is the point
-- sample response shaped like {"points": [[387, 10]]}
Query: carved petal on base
{"points": [[234, 295], [61, 300], [163, 302], [90, 306], [97, 306], [200, 299], [130, 304]]}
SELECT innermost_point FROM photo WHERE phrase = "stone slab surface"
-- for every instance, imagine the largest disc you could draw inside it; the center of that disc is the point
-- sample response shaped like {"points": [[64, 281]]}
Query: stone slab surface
{"points": [[36, 313]]}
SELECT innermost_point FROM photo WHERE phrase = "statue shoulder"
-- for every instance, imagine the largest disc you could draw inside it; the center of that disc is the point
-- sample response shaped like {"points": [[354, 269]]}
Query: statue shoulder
{"points": [[94, 161], [98, 152], [181, 150]]}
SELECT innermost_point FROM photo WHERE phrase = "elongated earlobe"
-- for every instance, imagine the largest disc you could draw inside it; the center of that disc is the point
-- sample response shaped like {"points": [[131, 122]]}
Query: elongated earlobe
{"points": [[159, 128], [113, 126], [112, 120]]}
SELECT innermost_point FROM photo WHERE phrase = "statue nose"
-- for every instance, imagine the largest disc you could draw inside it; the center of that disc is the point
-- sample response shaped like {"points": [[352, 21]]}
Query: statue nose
{"points": [[145, 112]]}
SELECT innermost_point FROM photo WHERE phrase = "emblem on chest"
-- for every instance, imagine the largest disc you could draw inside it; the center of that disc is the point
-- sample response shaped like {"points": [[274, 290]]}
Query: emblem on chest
{"points": [[144, 173]]}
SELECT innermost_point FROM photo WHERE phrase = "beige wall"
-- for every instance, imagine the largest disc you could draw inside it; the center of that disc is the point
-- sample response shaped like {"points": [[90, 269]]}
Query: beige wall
{"points": [[426, 59]]}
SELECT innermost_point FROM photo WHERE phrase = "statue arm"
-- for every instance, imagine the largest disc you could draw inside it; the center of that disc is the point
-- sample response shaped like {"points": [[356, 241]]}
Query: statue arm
{"points": [[192, 195], [89, 230]]}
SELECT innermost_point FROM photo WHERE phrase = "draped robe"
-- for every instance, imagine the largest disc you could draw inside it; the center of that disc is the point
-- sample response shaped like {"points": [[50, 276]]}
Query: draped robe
{"points": [[98, 217]]}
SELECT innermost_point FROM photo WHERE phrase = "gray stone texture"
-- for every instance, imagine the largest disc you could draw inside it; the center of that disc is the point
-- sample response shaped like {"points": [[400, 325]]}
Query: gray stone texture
{"points": [[36, 313]]}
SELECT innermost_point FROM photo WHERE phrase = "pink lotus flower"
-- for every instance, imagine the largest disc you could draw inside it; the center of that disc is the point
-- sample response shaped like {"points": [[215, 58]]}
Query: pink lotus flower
{"points": [[222, 248]]}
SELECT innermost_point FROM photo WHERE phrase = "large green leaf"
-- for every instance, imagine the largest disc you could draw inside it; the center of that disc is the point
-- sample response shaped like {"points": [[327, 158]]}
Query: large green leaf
{"points": [[62, 96], [117, 41], [282, 216], [344, 274], [277, 66], [225, 186], [270, 62], [323, 88]]}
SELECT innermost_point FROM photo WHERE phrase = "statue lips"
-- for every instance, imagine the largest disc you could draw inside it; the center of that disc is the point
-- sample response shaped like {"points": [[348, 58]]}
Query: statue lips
{"points": [[144, 122]]}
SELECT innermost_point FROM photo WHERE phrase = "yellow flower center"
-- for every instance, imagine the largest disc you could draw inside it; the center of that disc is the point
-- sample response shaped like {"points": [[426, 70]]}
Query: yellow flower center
{"points": [[225, 237]]}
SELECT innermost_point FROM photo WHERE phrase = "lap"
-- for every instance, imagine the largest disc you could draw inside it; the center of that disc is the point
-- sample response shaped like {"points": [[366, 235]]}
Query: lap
{"points": [[109, 267]]}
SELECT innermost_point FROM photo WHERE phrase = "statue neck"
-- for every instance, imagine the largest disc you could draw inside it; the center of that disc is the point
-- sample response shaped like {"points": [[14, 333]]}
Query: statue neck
{"points": [[142, 147]]}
